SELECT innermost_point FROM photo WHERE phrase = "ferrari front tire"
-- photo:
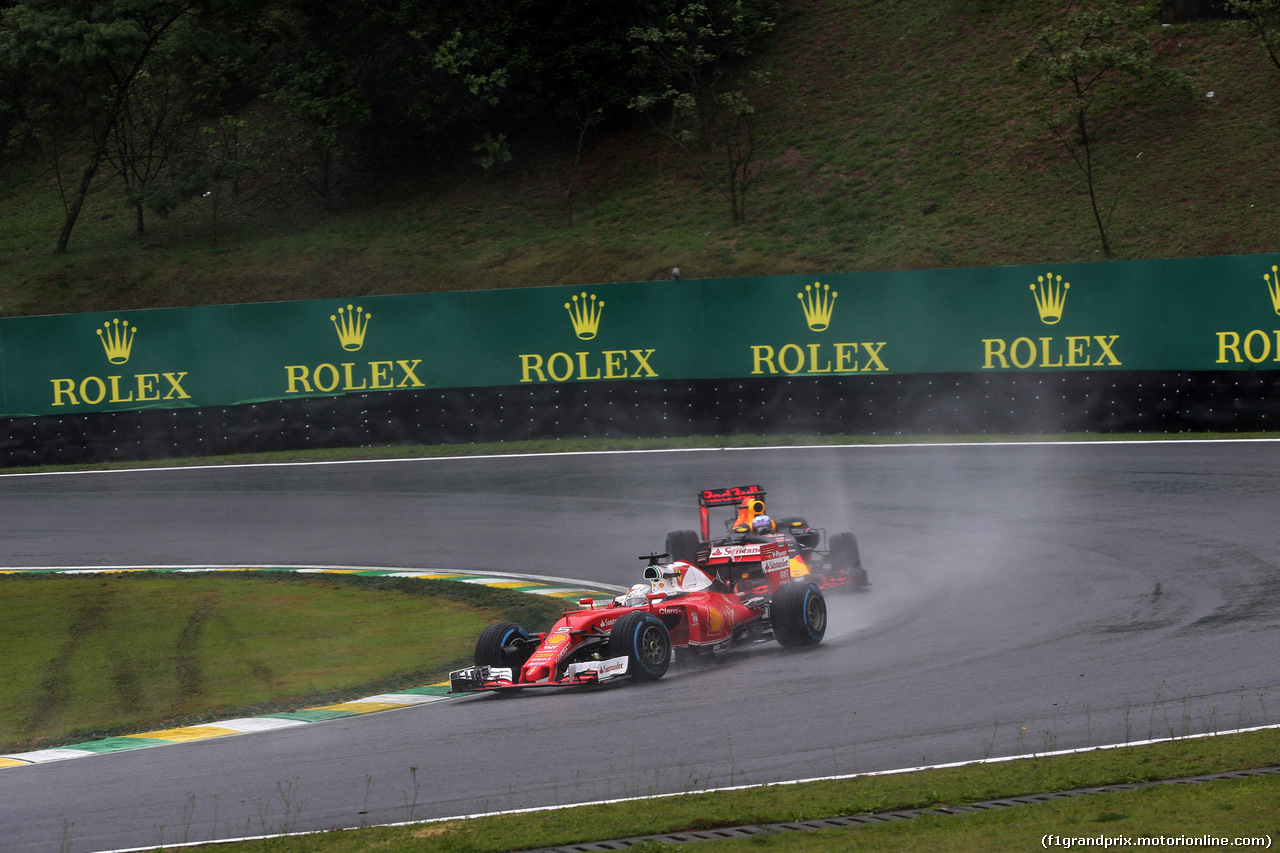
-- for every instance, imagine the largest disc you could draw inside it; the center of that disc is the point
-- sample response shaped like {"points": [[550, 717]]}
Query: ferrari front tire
{"points": [[494, 646], [644, 641], [799, 614]]}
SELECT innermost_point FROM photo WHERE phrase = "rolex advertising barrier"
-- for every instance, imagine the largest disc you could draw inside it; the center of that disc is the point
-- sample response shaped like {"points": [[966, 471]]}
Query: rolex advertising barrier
{"points": [[1166, 345]]}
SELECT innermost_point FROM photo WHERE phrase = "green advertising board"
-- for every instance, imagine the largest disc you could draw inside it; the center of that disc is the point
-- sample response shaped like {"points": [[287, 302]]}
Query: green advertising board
{"points": [[162, 358], [1216, 313], [325, 347], [610, 332]]}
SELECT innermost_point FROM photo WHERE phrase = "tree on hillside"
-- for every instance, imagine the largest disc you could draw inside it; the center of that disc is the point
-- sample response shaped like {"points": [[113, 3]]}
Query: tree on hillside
{"points": [[389, 85], [1084, 66], [344, 89], [85, 58], [145, 137], [325, 97], [540, 68], [708, 114], [1264, 18], [15, 83], [118, 86]]}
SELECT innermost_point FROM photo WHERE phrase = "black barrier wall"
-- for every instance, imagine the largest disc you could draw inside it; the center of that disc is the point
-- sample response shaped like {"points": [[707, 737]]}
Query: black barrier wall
{"points": [[919, 404]]}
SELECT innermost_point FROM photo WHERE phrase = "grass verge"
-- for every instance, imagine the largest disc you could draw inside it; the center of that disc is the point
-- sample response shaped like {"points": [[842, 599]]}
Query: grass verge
{"points": [[88, 657]]}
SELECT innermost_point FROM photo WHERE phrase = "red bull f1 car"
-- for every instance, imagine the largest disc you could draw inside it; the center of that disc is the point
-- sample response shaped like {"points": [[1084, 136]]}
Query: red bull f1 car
{"points": [[632, 636], [833, 565]]}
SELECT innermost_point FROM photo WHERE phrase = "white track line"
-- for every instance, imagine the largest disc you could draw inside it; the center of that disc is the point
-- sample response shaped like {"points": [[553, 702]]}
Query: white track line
{"points": [[1099, 442]]}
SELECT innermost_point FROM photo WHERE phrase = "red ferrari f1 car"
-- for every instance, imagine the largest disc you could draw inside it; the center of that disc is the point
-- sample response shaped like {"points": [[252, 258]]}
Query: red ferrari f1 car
{"points": [[633, 635], [751, 529]]}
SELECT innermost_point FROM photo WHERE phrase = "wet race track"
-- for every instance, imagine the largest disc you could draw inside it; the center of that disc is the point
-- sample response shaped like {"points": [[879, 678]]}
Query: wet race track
{"points": [[1025, 598]]}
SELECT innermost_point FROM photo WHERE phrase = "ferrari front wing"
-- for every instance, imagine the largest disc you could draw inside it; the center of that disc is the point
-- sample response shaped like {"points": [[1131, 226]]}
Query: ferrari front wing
{"points": [[475, 679]]}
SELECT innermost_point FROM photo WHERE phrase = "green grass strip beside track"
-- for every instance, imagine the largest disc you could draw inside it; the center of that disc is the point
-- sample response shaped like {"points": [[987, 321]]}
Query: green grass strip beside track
{"points": [[140, 658]]}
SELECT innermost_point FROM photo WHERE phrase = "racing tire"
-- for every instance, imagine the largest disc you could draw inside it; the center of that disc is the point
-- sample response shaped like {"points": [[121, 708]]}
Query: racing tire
{"points": [[491, 647], [644, 641], [844, 557], [682, 545], [799, 614], [844, 552]]}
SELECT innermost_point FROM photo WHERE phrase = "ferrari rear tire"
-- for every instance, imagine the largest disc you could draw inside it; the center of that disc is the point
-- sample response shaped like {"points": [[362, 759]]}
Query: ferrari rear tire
{"points": [[799, 614], [644, 641], [682, 545], [492, 646]]}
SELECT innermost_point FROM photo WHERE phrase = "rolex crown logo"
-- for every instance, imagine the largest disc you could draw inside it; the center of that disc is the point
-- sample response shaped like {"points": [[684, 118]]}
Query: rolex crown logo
{"points": [[117, 340], [1273, 284], [585, 315], [818, 300], [351, 325], [1051, 296]]}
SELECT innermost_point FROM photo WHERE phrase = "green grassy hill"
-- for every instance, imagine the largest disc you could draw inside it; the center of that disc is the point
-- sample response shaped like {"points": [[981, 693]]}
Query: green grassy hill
{"points": [[903, 138]]}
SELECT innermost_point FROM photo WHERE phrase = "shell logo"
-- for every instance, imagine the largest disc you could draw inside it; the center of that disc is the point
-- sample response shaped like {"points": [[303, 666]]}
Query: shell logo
{"points": [[554, 639], [715, 620]]}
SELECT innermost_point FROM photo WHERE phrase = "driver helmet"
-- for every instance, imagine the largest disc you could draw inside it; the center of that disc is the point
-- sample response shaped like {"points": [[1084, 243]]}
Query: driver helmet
{"points": [[762, 524], [636, 596]]}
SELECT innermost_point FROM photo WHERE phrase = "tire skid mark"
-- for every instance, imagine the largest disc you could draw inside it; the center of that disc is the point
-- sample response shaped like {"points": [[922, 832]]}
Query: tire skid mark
{"points": [[54, 688]]}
